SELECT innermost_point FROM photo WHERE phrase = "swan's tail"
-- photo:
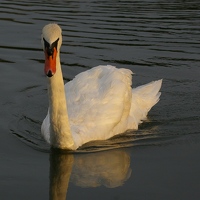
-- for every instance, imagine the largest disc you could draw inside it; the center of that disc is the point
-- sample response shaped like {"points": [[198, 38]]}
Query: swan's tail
{"points": [[143, 99]]}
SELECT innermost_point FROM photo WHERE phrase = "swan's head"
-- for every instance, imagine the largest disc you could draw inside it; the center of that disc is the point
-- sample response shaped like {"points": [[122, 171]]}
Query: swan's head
{"points": [[51, 42]]}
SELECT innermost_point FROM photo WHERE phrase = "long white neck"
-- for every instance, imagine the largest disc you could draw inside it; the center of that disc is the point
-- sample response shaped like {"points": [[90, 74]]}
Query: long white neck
{"points": [[60, 134]]}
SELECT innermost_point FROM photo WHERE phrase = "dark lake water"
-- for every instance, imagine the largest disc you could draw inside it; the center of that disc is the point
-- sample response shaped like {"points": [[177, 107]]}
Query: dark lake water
{"points": [[155, 39]]}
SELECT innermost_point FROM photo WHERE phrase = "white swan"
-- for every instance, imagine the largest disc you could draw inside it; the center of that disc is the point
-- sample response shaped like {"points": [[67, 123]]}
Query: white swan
{"points": [[100, 101]]}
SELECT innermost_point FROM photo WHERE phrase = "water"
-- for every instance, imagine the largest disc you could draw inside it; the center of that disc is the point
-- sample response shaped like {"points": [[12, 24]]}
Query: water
{"points": [[155, 39]]}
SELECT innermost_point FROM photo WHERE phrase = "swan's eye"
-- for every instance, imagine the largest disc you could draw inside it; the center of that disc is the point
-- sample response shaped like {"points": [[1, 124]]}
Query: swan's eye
{"points": [[46, 44]]}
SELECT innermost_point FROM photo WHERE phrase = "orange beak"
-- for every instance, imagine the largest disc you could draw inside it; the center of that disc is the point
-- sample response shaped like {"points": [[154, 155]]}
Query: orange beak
{"points": [[50, 63]]}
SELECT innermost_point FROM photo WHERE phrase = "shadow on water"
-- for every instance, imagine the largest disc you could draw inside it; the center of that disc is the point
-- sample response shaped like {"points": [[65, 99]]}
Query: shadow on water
{"points": [[110, 169]]}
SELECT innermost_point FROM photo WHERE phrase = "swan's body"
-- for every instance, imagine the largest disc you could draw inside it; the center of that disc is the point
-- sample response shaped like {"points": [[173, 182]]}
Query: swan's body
{"points": [[96, 105]]}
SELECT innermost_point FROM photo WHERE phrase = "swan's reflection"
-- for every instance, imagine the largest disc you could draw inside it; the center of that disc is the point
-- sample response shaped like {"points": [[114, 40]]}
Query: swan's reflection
{"points": [[109, 168], [60, 171]]}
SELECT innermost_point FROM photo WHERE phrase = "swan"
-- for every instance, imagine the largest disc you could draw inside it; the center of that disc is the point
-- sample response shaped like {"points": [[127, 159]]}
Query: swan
{"points": [[96, 105]]}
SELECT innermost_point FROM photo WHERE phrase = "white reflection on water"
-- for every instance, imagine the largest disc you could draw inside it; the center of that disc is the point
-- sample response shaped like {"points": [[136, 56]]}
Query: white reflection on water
{"points": [[110, 169]]}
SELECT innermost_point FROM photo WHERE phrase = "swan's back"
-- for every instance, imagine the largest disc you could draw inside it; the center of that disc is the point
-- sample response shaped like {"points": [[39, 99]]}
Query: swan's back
{"points": [[101, 104], [98, 100]]}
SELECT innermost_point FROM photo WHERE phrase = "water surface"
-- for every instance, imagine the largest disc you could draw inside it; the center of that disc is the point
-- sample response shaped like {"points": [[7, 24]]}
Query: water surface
{"points": [[155, 39]]}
